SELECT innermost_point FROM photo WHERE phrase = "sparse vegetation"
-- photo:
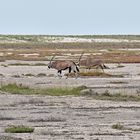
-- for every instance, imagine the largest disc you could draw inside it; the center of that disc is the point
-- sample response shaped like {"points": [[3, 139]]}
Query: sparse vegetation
{"points": [[39, 64], [55, 112], [16, 76], [4, 65], [65, 91], [51, 75], [118, 82], [17, 89], [41, 75], [50, 119], [1, 75], [9, 138], [116, 97], [19, 129], [20, 89], [118, 126], [27, 64], [19, 64], [2, 118], [120, 66], [94, 74], [29, 75], [25, 44]]}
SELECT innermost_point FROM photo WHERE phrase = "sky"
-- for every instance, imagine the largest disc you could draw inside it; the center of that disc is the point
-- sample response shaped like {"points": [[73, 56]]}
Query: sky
{"points": [[70, 17]]}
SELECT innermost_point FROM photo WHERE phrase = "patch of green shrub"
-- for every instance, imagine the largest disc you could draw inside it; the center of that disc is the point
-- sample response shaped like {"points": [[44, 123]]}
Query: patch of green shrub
{"points": [[19, 129]]}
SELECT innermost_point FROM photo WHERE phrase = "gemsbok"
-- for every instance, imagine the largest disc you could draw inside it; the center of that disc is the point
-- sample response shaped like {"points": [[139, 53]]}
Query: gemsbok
{"points": [[61, 65], [90, 62]]}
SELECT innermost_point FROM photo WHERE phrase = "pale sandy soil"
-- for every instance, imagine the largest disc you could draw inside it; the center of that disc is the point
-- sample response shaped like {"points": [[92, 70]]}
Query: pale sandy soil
{"points": [[69, 40], [70, 118]]}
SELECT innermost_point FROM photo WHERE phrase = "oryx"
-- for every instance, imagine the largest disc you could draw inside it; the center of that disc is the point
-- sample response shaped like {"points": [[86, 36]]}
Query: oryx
{"points": [[61, 65], [90, 62]]}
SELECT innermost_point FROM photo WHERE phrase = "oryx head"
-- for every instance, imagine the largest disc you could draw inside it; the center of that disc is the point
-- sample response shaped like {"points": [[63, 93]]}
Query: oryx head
{"points": [[50, 63]]}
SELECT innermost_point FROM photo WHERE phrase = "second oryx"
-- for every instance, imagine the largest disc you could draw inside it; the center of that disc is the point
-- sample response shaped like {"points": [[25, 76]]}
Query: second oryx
{"points": [[61, 65], [89, 62]]}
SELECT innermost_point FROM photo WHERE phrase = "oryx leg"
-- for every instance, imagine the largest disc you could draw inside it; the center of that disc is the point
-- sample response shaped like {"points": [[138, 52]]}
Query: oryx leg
{"points": [[75, 73], [59, 73], [69, 72]]}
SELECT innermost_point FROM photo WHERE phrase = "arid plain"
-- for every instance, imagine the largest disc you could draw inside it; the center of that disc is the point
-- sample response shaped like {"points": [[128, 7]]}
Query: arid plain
{"points": [[96, 105]]}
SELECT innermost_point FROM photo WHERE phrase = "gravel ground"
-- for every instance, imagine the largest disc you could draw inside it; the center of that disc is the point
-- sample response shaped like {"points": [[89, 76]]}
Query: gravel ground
{"points": [[70, 118], [62, 118]]}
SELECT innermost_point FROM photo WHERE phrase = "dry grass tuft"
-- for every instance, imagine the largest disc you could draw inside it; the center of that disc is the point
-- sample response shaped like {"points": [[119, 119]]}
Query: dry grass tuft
{"points": [[118, 82], [93, 74], [118, 126]]}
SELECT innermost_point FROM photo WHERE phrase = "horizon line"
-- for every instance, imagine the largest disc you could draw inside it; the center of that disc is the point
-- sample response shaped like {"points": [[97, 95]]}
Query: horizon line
{"points": [[76, 34]]}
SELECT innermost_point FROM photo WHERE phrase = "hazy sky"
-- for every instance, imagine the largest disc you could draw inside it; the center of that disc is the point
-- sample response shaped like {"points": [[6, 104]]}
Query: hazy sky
{"points": [[69, 16]]}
